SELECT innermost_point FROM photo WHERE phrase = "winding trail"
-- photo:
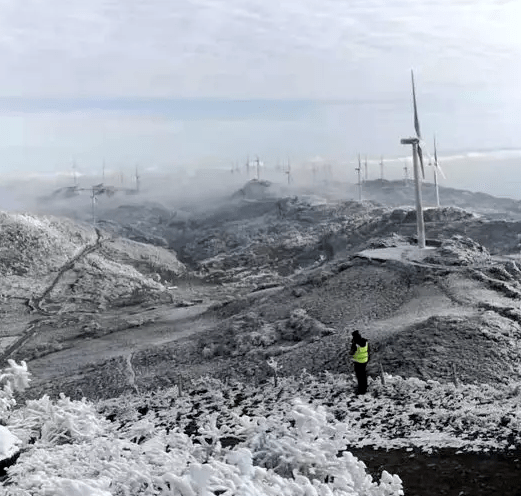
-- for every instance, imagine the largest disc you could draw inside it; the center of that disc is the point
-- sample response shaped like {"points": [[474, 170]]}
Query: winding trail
{"points": [[34, 303], [28, 333], [131, 373], [171, 325]]}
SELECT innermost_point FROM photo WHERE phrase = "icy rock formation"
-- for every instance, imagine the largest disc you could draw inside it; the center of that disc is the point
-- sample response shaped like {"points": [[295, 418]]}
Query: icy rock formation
{"points": [[459, 250]]}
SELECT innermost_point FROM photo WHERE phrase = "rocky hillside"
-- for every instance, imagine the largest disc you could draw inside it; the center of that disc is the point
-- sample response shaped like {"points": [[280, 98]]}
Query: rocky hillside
{"points": [[222, 290], [263, 297], [55, 271]]}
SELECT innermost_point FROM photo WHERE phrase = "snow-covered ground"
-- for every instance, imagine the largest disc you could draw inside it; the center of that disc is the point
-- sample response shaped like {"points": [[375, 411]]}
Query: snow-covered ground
{"points": [[290, 438], [233, 439]]}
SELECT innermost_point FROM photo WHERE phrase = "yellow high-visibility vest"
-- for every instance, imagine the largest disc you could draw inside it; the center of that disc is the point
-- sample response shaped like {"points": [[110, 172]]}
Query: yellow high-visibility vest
{"points": [[362, 353]]}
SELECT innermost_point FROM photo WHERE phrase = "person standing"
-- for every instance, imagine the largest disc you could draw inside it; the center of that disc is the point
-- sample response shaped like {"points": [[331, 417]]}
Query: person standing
{"points": [[360, 354]]}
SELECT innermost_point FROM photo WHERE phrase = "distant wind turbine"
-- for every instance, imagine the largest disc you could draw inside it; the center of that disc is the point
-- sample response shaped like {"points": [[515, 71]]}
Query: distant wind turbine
{"points": [[381, 168], [258, 168], [417, 156], [437, 169], [95, 191], [366, 172], [137, 180], [75, 173], [359, 171], [288, 171]]}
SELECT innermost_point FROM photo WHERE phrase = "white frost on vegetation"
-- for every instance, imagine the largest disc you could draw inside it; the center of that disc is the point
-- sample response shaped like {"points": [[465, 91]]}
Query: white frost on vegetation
{"points": [[86, 454], [9, 443], [13, 378], [237, 439]]}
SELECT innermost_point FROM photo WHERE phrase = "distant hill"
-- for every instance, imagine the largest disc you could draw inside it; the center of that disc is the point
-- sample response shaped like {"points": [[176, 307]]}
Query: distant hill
{"points": [[397, 193]]}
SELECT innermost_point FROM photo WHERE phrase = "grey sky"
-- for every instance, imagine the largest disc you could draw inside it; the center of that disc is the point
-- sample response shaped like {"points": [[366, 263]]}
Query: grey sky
{"points": [[356, 55]]}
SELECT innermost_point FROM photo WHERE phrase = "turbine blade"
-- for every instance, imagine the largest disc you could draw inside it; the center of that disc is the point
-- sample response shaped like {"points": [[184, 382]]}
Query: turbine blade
{"points": [[420, 156], [436, 160], [425, 150], [416, 121], [440, 170]]}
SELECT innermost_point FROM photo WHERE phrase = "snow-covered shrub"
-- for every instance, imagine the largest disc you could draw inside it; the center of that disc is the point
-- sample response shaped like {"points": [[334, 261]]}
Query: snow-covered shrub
{"points": [[239, 439], [306, 449], [13, 378], [57, 422], [301, 326], [136, 454], [242, 335], [209, 351], [120, 464], [268, 335]]}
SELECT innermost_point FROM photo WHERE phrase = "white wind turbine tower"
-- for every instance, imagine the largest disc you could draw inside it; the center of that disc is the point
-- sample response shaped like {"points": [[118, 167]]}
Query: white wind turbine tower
{"points": [[248, 166], [359, 171], [288, 171], [382, 169], [75, 173], [417, 156], [138, 183], [437, 169], [258, 164]]}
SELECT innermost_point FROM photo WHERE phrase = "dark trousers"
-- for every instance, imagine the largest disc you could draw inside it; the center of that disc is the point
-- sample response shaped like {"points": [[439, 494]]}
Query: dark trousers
{"points": [[361, 377]]}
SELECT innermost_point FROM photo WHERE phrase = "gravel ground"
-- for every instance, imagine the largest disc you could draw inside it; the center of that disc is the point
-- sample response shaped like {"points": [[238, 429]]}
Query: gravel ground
{"points": [[448, 473]]}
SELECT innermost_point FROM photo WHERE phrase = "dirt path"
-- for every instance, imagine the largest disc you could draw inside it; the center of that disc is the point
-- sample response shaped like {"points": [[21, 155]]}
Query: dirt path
{"points": [[35, 302], [428, 301], [170, 325]]}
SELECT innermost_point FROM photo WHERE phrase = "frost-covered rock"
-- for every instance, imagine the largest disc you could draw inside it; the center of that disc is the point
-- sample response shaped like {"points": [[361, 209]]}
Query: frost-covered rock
{"points": [[9, 443], [459, 250]]}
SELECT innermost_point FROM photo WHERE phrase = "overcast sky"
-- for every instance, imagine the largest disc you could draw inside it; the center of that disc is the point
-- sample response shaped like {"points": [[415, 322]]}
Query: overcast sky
{"points": [[161, 82]]}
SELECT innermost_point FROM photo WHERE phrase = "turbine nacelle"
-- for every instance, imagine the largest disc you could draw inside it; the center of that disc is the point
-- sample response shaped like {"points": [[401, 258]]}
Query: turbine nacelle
{"points": [[409, 141]]}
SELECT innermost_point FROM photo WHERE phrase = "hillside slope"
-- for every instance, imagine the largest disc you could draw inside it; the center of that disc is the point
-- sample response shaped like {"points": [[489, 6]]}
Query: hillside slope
{"points": [[268, 276], [55, 272]]}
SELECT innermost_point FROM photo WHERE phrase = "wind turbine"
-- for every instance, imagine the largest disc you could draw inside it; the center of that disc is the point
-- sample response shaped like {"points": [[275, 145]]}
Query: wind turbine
{"points": [[382, 169], [366, 175], [359, 171], [437, 169], [258, 168], [137, 180], [95, 191], [417, 156], [75, 173], [288, 171]]}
